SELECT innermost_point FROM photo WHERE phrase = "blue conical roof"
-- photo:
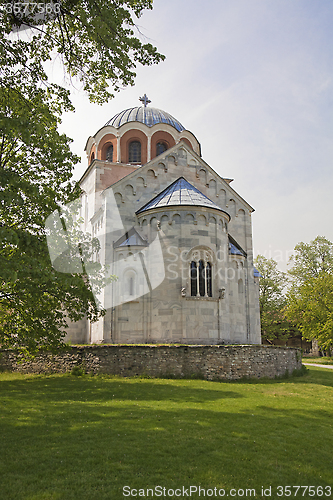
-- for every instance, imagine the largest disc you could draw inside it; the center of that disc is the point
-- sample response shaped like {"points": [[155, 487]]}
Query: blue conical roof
{"points": [[144, 114], [130, 238], [179, 193]]}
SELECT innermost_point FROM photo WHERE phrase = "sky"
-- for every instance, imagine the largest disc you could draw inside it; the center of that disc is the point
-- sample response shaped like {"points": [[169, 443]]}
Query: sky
{"points": [[253, 80]]}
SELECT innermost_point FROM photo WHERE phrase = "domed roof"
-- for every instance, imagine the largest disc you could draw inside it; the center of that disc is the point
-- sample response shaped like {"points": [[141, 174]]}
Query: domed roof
{"points": [[144, 114]]}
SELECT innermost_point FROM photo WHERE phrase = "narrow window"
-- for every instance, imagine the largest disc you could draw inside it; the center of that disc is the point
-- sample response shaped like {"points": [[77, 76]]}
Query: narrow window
{"points": [[209, 279], [160, 148], [131, 285], [193, 279], [134, 152], [92, 157], [109, 153], [240, 287], [202, 279]]}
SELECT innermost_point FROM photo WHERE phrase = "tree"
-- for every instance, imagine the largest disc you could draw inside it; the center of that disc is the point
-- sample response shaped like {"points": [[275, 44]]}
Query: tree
{"points": [[97, 44], [311, 306], [274, 324], [95, 39], [310, 298], [311, 260], [35, 171]]}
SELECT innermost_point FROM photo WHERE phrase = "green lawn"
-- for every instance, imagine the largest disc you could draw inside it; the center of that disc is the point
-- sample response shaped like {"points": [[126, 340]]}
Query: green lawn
{"points": [[84, 438]]}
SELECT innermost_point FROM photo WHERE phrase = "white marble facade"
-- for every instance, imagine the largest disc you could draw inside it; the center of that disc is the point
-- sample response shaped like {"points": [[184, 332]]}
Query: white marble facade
{"points": [[174, 232]]}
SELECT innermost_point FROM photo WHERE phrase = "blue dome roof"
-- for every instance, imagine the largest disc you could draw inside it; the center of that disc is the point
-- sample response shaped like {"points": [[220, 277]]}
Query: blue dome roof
{"points": [[180, 193], [144, 114]]}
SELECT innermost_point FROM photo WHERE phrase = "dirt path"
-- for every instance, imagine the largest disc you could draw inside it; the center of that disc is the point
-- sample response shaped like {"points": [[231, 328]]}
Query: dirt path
{"points": [[320, 366]]}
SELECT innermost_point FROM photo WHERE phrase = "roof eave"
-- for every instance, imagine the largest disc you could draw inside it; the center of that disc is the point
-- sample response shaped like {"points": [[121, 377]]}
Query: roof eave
{"points": [[180, 207]]}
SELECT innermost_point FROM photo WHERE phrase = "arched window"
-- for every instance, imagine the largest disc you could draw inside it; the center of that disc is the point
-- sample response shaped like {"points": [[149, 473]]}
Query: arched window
{"points": [[201, 279], [129, 285], [109, 153], [134, 152], [160, 148], [92, 157]]}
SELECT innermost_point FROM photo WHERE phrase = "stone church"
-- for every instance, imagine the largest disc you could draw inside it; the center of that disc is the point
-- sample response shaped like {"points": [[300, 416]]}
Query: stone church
{"points": [[173, 232]]}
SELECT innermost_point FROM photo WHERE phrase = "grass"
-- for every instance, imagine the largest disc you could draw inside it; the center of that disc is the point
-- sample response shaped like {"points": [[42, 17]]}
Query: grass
{"points": [[65, 437], [327, 360]]}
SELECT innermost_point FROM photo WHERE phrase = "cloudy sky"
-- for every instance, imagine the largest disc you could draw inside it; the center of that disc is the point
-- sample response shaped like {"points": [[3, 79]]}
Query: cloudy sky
{"points": [[253, 80]]}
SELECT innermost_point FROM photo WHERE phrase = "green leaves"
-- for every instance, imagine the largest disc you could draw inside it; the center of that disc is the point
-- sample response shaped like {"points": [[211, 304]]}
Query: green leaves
{"points": [[274, 324], [311, 260], [97, 40], [308, 303], [311, 305], [97, 43], [310, 298], [272, 282]]}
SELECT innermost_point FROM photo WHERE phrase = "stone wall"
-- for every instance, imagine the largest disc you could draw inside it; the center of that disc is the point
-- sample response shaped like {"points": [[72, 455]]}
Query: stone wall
{"points": [[209, 362]]}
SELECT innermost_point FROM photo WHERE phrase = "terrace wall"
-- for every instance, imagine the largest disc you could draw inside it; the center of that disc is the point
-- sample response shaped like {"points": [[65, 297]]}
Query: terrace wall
{"points": [[209, 362]]}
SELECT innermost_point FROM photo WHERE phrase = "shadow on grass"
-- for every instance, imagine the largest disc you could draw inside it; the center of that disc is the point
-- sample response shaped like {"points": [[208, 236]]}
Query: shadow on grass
{"points": [[85, 438], [47, 388]]}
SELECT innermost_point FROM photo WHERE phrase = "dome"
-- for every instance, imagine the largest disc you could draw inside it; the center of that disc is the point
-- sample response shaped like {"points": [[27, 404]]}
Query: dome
{"points": [[144, 114]]}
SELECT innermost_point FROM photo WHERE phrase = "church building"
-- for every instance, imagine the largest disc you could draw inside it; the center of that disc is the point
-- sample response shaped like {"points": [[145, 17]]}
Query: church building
{"points": [[173, 232]]}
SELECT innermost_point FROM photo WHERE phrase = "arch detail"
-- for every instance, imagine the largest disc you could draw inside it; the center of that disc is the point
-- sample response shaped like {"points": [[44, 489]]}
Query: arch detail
{"points": [[176, 218], [232, 208], [151, 173], [104, 144], [163, 165], [119, 198], [161, 137], [129, 137], [129, 190]]}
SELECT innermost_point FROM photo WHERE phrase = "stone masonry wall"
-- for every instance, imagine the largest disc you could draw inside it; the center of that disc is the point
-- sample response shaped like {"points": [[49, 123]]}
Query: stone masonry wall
{"points": [[209, 362]]}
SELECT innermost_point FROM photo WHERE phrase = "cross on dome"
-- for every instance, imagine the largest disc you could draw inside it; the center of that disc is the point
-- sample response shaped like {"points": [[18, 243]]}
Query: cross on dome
{"points": [[144, 100]]}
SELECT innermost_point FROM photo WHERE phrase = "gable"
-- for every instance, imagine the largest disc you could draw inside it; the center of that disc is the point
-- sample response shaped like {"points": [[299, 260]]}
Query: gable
{"points": [[180, 160]]}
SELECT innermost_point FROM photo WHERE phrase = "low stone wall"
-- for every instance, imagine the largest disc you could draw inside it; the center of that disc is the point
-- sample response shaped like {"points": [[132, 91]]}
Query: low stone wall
{"points": [[209, 362]]}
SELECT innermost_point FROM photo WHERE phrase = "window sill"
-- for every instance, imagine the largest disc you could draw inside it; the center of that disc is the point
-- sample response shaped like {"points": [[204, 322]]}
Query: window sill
{"points": [[211, 299]]}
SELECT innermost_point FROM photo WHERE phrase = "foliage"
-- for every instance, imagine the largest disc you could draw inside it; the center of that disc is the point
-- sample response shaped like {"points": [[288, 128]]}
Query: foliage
{"points": [[310, 298], [274, 324], [97, 40], [35, 170], [97, 45], [311, 260], [311, 306]]}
